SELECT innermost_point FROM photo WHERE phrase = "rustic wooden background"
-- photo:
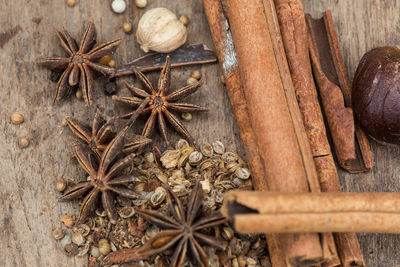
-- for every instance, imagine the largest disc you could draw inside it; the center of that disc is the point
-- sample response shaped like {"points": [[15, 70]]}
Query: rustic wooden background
{"points": [[28, 202]]}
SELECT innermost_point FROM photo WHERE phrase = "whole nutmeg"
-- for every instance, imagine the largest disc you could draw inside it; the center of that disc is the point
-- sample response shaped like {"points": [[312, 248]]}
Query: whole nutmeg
{"points": [[160, 30], [376, 94]]}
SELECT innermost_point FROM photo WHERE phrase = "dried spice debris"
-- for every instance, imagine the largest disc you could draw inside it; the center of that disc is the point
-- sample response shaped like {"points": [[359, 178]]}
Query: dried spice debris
{"points": [[181, 230], [102, 132], [161, 103], [81, 66]]}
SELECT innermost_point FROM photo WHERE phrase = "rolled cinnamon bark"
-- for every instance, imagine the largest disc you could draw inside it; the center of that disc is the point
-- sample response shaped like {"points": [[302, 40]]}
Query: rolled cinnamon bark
{"points": [[227, 59], [296, 41], [313, 212], [270, 117], [351, 144]]}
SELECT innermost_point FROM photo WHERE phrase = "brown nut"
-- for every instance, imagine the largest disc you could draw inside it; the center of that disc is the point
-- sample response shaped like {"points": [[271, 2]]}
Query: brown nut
{"points": [[376, 94]]}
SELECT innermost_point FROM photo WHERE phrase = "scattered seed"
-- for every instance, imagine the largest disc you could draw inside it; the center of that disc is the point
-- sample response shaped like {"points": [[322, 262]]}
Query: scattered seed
{"points": [[126, 212], [184, 19], [104, 60], [68, 220], [64, 121], [149, 157], [206, 186], [186, 116], [104, 247], [66, 240], [78, 238], [229, 157], [141, 3], [71, 249], [95, 252], [158, 197], [17, 118], [191, 80], [23, 142], [242, 173], [112, 63], [181, 143], [58, 233], [196, 74], [207, 150], [227, 233], [127, 27], [79, 94], [218, 147], [118, 6], [61, 185], [170, 158], [84, 250], [195, 158], [71, 3]]}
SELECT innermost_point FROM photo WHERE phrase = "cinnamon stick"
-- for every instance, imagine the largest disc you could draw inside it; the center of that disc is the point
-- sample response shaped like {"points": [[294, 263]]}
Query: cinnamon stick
{"points": [[271, 118], [351, 144], [296, 41], [253, 212], [227, 59]]}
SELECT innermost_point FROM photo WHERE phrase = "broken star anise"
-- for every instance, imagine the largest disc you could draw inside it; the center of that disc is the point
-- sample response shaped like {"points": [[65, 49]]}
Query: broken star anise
{"points": [[101, 133], [81, 65], [161, 103], [182, 231], [106, 178]]}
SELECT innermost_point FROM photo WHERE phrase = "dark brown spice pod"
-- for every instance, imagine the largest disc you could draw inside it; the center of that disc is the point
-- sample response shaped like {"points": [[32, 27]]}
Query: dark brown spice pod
{"points": [[376, 94]]}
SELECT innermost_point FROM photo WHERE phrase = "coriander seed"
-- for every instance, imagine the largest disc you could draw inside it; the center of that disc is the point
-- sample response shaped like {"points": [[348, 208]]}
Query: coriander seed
{"points": [[118, 6], [141, 3], [186, 116], [184, 19], [79, 94], [71, 3], [196, 74], [104, 246], [58, 233], [112, 63], [104, 60], [191, 80], [17, 118], [23, 142], [127, 27], [61, 185]]}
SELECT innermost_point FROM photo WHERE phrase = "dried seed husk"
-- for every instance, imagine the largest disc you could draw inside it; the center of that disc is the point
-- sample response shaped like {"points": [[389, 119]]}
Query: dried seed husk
{"points": [[84, 250], [65, 240], [207, 150], [185, 153], [218, 147], [58, 233], [68, 220], [71, 249], [149, 157], [126, 212], [78, 239], [229, 157], [104, 246], [181, 143], [195, 158], [242, 173], [158, 197], [170, 158]]}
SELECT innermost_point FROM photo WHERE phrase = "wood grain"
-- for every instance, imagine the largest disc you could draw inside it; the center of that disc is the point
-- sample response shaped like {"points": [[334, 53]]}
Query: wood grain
{"points": [[28, 202]]}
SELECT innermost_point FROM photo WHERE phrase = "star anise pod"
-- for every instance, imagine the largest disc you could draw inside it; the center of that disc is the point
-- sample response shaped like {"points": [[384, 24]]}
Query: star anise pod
{"points": [[81, 66], [101, 133], [182, 231], [161, 103], [106, 177]]}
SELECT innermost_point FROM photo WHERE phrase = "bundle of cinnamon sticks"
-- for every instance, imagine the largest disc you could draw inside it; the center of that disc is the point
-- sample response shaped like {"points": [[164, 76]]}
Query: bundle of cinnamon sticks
{"points": [[270, 56]]}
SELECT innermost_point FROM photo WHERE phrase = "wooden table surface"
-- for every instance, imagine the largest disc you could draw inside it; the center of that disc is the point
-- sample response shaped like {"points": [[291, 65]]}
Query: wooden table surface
{"points": [[29, 209]]}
